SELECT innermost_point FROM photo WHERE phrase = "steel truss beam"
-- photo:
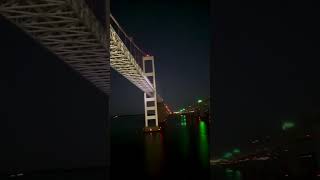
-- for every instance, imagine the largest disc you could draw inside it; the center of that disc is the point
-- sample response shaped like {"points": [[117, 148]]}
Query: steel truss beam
{"points": [[122, 61], [68, 29]]}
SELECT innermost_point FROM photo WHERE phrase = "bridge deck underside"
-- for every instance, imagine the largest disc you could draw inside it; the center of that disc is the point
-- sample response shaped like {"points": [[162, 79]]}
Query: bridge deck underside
{"points": [[123, 62], [69, 30]]}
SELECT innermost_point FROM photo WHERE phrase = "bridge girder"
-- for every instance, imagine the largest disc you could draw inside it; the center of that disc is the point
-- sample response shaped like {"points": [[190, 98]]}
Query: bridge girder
{"points": [[69, 30], [123, 62]]}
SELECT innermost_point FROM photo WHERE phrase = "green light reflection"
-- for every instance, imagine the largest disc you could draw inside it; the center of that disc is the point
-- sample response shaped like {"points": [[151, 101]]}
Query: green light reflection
{"points": [[183, 120], [233, 174], [237, 175], [204, 148], [184, 137]]}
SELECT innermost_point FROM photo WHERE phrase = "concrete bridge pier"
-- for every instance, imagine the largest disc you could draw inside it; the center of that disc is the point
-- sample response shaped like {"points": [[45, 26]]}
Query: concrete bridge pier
{"points": [[150, 99]]}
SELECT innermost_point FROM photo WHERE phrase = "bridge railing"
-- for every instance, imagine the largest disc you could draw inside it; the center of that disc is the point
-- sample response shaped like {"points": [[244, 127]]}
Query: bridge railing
{"points": [[136, 52]]}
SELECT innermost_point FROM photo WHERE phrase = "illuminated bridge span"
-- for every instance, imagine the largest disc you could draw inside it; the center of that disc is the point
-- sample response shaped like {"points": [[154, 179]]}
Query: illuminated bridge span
{"points": [[70, 30]]}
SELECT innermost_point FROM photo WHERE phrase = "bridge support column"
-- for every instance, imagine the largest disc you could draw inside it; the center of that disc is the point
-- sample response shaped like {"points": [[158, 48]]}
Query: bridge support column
{"points": [[150, 99]]}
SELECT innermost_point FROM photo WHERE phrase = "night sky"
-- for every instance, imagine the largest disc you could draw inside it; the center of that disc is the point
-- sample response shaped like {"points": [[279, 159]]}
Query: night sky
{"points": [[177, 34], [265, 68]]}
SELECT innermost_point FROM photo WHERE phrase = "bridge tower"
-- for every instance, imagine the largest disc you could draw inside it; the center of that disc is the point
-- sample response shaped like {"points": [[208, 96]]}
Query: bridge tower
{"points": [[150, 99]]}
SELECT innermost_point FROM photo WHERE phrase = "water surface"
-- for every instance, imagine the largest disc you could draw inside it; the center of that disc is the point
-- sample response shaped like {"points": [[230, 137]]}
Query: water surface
{"points": [[180, 151]]}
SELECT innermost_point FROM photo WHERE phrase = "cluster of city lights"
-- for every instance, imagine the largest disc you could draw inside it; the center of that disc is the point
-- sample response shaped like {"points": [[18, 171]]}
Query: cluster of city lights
{"points": [[228, 155], [287, 125], [182, 110]]}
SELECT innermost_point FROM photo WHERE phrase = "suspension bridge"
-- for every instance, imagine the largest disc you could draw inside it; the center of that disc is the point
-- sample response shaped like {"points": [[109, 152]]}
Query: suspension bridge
{"points": [[71, 31]]}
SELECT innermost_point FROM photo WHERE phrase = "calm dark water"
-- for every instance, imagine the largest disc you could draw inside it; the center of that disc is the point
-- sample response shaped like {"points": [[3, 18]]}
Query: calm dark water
{"points": [[180, 151], [266, 173], [262, 170]]}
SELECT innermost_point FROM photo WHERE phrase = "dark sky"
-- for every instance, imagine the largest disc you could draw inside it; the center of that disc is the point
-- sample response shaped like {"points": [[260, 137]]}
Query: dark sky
{"points": [[177, 34], [265, 67]]}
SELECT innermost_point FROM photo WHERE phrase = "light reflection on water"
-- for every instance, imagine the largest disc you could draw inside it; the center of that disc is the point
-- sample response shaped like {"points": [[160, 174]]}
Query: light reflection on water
{"points": [[229, 174], [233, 174], [184, 137], [181, 147], [203, 143], [154, 153]]}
